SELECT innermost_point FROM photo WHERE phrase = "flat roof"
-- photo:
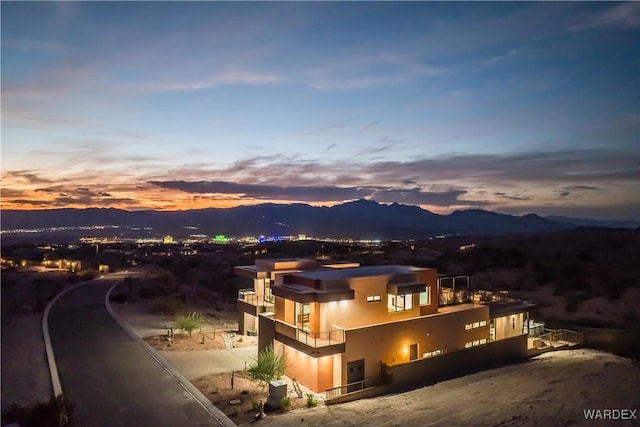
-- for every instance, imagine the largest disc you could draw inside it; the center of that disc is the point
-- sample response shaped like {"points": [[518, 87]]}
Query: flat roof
{"points": [[348, 273], [499, 308]]}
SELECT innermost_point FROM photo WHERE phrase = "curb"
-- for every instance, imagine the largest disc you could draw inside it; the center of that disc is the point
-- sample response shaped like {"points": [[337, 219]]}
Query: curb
{"points": [[51, 357], [216, 413]]}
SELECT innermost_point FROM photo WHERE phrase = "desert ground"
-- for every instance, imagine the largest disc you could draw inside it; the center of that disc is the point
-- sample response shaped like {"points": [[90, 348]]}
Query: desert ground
{"points": [[551, 389], [25, 373]]}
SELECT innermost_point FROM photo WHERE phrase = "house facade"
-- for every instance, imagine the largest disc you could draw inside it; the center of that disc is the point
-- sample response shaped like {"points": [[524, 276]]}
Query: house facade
{"points": [[256, 297], [344, 329]]}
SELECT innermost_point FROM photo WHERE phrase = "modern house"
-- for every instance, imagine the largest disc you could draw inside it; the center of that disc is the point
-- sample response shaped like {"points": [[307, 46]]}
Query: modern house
{"points": [[347, 329], [257, 298]]}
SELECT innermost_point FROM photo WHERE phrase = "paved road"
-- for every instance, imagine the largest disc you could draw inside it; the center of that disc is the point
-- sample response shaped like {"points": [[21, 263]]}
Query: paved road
{"points": [[110, 377]]}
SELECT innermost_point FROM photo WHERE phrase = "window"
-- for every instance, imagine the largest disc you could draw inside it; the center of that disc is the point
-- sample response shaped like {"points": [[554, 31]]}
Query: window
{"points": [[432, 353], [268, 296], [303, 312], [475, 325], [400, 303], [374, 298], [425, 298], [475, 343]]}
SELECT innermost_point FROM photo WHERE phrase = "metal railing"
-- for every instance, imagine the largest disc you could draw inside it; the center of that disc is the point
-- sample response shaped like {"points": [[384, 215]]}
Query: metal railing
{"points": [[249, 296], [353, 387], [557, 338], [311, 339]]}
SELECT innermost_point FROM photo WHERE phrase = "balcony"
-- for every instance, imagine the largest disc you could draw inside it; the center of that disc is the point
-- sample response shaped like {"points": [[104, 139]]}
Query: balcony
{"points": [[315, 344], [249, 296]]}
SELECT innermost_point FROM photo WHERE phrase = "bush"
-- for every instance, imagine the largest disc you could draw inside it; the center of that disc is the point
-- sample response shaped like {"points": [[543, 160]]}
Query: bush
{"points": [[148, 292], [55, 412], [572, 305], [167, 305], [311, 400], [190, 322], [268, 367], [630, 316], [285, 404], [120, 297], [88, 275]]}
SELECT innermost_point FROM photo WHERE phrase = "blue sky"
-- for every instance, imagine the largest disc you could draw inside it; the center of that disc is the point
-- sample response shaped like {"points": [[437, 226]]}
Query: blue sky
{"points": [[511, 107]]}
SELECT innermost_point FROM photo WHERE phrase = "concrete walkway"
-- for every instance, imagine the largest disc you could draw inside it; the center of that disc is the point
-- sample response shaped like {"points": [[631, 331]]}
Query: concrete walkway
{"points": [[194, 364]]}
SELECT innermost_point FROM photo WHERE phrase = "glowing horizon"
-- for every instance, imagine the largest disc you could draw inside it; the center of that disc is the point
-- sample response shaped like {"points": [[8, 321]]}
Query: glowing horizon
{"points": [[510, 107]]}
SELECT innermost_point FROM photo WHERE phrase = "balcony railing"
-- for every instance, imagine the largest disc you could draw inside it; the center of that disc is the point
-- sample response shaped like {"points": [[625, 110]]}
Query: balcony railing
{"points": [[311, 339], [353, 387], [250, 297]]}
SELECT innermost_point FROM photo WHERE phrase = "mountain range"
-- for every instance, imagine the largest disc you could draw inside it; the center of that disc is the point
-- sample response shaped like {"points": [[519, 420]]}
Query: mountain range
{"points": [[357, 219]]}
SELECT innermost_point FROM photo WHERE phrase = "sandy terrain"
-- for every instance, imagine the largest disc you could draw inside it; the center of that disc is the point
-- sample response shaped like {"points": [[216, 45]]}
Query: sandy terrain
{"points": [[218, 389], [552, 389], [598, 308], [25, 373]]}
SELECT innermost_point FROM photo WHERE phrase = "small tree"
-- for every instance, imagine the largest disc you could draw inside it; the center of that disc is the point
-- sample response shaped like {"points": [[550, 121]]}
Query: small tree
{"points": [[268, 367], [190, 322]]}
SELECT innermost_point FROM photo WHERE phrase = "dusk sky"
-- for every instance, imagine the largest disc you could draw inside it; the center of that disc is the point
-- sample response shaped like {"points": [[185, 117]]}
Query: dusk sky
{"points": [[510, 107]]}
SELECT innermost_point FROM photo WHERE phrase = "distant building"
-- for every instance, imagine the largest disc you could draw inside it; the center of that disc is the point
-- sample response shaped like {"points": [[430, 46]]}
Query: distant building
{"points": [[167, 240], [63, 264]]}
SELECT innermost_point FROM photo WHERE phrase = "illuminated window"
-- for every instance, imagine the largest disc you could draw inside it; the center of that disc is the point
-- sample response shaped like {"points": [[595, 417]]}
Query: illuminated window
{"points": [[374, 298], [475, 325], [399, 303], [425, 297], [432, 353], [475, 343]]}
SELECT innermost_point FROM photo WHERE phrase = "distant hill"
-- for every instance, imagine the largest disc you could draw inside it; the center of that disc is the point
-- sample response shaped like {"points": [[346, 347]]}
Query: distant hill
{"points": [[358, 219], [587, 222]]}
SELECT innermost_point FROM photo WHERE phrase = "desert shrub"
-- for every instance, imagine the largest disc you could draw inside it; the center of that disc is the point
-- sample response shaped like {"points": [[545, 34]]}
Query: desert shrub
{"points": [[119, 297], [311, 400], [285, 404], [55, 412], [572, 305], [39, 306], [542, 274], [617, 285], [630, 316], [88, 275], [268, 367], [190, 322], [148, 292], [167, 305]]}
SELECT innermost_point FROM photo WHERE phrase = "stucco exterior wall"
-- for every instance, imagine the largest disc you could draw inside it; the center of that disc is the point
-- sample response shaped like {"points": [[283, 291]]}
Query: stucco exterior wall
{"points": [[389, 343], [454, 364], [315, 373], [359, 312]]}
